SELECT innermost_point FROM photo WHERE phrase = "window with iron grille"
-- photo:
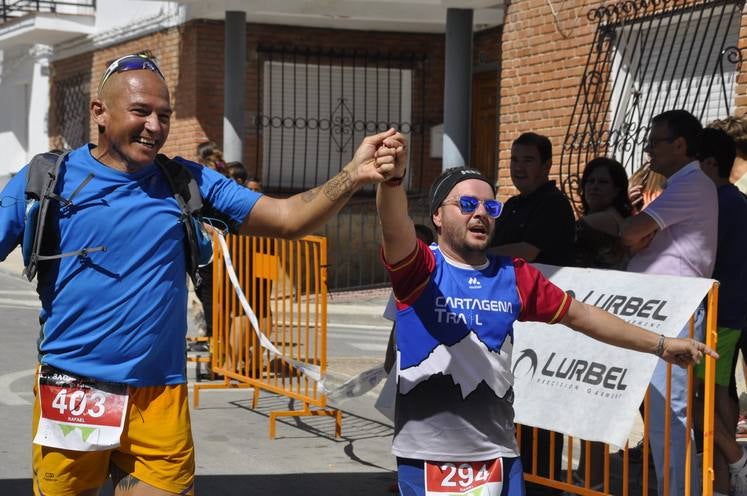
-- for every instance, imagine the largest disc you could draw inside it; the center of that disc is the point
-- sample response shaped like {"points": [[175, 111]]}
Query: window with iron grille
{"points": [[72, 96], [317, 109], [648, 57], [678, 65], [317, 105]]}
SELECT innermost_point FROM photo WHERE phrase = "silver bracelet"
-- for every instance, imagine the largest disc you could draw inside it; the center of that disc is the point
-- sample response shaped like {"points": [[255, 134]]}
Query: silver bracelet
{"points": [[660, 346]]}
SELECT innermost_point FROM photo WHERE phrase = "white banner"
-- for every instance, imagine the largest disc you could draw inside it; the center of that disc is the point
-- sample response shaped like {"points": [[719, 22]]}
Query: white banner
{"points": [[567, 382]]}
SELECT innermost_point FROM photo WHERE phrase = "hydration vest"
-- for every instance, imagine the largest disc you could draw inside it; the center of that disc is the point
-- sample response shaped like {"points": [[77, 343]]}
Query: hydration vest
{"points": [[39, 235]]}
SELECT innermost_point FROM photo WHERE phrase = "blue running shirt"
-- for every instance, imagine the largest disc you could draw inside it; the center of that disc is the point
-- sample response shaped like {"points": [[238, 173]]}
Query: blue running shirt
{"points": [[118, 315]]}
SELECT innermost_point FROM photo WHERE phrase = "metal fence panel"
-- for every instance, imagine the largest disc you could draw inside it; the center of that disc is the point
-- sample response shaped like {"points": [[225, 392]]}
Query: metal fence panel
{"points": [[285, 283]]}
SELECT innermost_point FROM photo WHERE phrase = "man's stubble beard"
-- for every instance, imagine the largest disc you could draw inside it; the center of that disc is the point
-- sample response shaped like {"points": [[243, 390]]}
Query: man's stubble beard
{"points": [[459, 244]]}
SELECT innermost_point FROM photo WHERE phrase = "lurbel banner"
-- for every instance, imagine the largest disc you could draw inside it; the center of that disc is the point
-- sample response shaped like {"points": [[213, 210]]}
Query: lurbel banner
{"points": [[567, 382]]}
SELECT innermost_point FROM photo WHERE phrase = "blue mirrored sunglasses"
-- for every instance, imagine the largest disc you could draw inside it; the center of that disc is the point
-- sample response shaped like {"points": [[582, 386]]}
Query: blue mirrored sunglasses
{"points": [[468, 204], [132, 62]]}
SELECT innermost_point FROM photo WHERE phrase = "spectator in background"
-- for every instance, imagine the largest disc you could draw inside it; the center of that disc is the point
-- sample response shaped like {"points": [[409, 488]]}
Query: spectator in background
{"points": [[254, 184], [736, 127], [730, 460], [605, 205], [237, 172], [537, 225], [675, 235], [644, 186], [204, 291], [209, 155]]}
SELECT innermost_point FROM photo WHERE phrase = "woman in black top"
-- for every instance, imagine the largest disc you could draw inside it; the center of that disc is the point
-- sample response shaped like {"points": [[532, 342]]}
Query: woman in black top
{"points": [[605, 205]]}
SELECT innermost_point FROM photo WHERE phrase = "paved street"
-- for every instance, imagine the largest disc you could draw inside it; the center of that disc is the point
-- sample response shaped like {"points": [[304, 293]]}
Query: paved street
{"points": [[234, 453]]}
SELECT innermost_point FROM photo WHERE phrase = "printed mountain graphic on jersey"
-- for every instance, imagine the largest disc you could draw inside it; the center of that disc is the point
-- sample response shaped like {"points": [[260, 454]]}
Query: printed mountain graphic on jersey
{"points": [[469, 362], [449, 321], [85, 432]]}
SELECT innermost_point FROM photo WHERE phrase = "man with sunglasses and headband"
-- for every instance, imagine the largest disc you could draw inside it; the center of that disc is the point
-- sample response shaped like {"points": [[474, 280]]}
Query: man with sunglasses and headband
{"points": [[457, 304], [112, 344]]}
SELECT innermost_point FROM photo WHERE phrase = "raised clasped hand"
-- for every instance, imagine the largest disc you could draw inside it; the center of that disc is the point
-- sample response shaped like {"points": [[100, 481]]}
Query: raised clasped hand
{"points": [[381, 157]]}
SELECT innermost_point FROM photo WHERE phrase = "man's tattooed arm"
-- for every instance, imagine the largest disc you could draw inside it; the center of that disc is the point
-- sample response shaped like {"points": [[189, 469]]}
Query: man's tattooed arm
{"points": [[340, 186], [303, 213], [308, 196]]}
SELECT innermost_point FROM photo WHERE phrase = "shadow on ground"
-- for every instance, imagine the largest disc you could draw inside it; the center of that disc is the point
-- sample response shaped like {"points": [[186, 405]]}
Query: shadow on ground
{"points": [[361, 484], [355, 427]]}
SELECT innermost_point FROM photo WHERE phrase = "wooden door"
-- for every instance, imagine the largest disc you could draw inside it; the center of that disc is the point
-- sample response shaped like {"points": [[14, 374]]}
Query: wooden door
{"points": [[484, 128]]}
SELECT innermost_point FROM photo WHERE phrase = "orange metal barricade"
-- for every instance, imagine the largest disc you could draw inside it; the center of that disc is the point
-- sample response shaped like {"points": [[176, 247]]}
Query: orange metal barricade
{"points": [[622, 471], [285, 283]]}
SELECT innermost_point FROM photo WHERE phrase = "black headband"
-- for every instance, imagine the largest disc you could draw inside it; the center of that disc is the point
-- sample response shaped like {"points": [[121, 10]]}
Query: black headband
{"points": [[450, 178]]}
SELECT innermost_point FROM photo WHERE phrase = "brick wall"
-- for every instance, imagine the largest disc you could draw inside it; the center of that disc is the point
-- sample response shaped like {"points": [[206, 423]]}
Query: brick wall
{"points": [[741, 89], [542, 63], [191, 58]]}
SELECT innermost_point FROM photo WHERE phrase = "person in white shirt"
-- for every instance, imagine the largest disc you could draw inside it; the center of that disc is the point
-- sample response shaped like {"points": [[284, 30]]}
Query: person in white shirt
{"points": [[676, 234]]}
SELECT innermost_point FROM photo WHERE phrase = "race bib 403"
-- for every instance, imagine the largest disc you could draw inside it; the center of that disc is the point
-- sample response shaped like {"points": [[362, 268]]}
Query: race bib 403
{"points": [[79, 414], [464, 478]]}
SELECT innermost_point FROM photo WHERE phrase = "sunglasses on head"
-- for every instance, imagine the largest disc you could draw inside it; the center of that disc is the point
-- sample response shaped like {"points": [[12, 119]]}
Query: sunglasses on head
{"points": [[468, 204], [144, 60]]}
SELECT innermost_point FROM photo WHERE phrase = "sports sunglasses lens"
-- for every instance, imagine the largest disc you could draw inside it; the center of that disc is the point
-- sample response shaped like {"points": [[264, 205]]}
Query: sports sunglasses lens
{"points": [[468, 204], [138, 63], [493, 207]]}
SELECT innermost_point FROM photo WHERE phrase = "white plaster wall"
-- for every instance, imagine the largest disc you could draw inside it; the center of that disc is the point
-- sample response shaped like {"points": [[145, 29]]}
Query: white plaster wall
{"points": [[24, 105], [13, 126], [116, 13], [38, 103]]}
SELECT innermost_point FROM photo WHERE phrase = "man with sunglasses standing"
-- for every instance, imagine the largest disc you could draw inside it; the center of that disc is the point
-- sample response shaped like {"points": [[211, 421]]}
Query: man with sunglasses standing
{"points": [[457, 305], [537, 225], [676, 234], [111, 397]]}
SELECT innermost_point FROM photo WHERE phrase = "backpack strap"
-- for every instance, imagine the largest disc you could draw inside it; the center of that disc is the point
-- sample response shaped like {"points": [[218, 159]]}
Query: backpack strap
{"points": [[187, 194], [42, 174], [182, 182], [41, 181]]}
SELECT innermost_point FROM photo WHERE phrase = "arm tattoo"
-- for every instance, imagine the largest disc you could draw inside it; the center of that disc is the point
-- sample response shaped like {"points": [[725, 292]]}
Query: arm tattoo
{"points": [[308, 196], [338, 187]]}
